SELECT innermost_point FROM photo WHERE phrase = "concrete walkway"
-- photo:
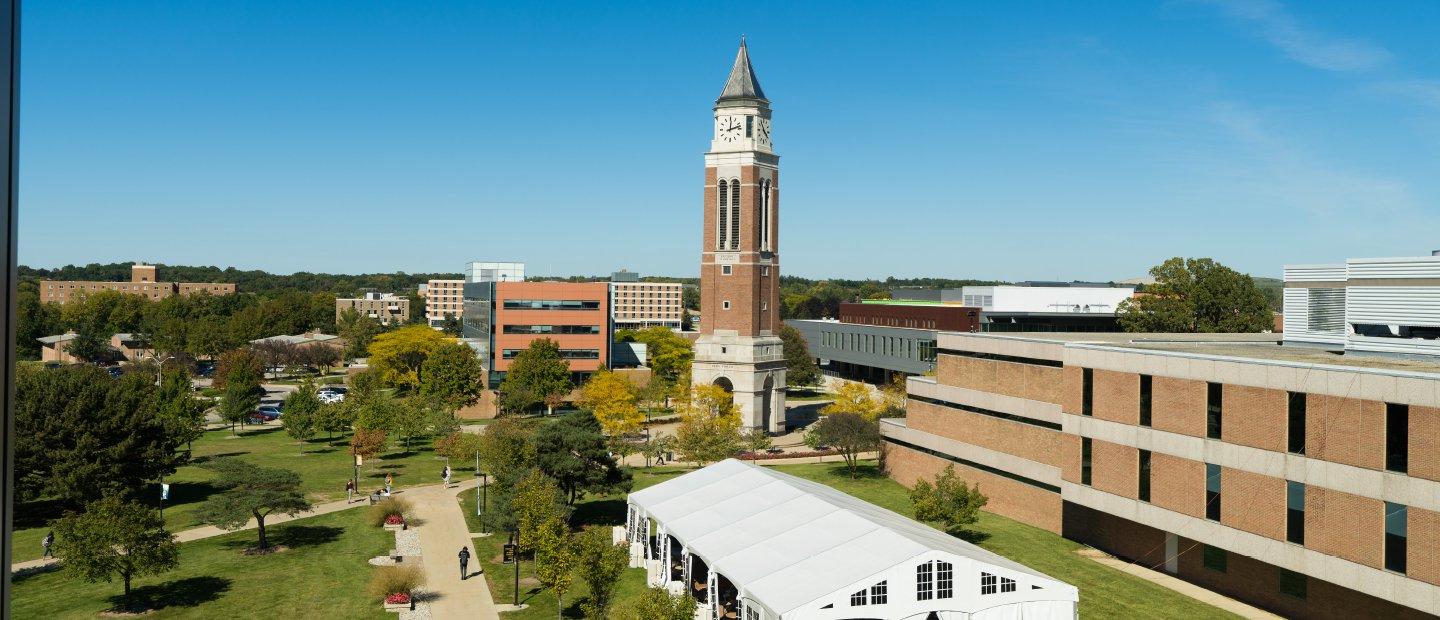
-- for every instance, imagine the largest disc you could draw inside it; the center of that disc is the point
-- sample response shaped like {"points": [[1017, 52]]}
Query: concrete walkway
{"points": [[210, 530], [443, 532], [1166, 580]]}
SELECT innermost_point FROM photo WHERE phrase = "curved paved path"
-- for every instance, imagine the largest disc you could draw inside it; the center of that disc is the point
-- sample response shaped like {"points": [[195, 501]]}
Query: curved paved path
{"points": [[443, 531]]}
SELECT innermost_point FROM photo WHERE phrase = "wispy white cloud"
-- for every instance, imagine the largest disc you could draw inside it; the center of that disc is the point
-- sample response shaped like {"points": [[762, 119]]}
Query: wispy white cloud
{"points": [[1301, 44]]}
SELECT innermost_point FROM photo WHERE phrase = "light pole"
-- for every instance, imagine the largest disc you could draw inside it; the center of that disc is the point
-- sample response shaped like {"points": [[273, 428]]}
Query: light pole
{"points": [[517, 567]]}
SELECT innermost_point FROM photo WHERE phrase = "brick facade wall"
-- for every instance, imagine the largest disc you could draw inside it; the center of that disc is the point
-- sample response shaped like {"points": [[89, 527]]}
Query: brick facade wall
{"points": [[1120, 537], [1425, 442], [1116, 396], [1253, 502], [1011, 498], [1178, 484], [1023, 440], [1256, 417], [1069, 449], [1346, 526], [1115, 469], [1042, 383], [1422, 561], [1178, 405], [1071, 389], [1345, 430]]}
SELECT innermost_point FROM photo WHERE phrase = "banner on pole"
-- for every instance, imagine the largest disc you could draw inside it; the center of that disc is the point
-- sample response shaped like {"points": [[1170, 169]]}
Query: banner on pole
{"points": [[164, 491]]}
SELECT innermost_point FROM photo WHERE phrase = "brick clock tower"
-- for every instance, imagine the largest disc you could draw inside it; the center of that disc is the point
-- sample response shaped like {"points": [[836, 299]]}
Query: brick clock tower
{"points": [[739, 347]]}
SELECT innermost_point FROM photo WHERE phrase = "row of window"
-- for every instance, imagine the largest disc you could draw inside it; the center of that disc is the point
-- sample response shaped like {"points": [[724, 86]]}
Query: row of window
{"points": [[886, 321], [569, 354], [880, 345], [1397, 418], [1396, 515], [1290, 583], [551, 304], [552, 329], [728, 214]]}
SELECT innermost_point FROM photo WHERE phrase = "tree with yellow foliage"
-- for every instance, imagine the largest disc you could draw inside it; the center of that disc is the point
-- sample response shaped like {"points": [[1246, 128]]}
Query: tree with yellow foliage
{"points": [[612, 397], [855, 397], [709, 427], [399, 355]]}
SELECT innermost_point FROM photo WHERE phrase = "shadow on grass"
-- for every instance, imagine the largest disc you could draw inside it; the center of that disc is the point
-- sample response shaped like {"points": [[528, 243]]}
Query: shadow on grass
{"points": [[210, 457], [190, 492], [610, 511], [972, 536], [253, 430], [292, 536], [34, 571], [38, 513], [191, 592]]}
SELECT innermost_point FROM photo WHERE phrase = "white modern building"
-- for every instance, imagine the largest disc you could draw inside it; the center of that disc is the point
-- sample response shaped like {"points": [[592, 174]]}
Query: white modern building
{"points": [[749, 542], [1373, 305], [1041, 298], [495, 272]]}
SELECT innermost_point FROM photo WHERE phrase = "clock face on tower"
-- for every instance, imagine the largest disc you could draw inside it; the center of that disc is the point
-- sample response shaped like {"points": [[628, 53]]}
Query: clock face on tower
{"points": [[764, 131], [729, 128]]}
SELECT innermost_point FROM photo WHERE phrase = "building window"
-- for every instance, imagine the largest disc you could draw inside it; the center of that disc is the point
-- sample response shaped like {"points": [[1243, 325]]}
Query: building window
{"points": [[1213, 405], [734, 214], [1144, 400], [987, 583], [765, 214], [723, 229], [1007, 584], [1295, 512], [725, 270], [1296, 431], [1212, 491], [1085, 460], [749, 126], [1215, 558], [857, 599], [945, 580], [925, 581], [1087, 391], [725, 305], [1293, 583], [1397, 437], [880, 593], [1396, 531], [764, 271], [1144, 475]]}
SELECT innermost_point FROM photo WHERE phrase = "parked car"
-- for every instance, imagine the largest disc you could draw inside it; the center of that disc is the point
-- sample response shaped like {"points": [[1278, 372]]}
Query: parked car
{"points": [[331, 394], [205, 369], [266, 413], [115, 371]]}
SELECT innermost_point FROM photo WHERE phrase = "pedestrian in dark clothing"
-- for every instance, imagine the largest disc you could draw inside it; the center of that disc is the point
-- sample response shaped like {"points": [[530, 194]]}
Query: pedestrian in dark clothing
{"points": [[49, 540], [464, 561], [349, 491]]}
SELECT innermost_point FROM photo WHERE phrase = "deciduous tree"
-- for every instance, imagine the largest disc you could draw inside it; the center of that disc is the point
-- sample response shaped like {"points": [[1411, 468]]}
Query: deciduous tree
{"points": [[177, 406], [659, 604], [709, 429], [536, 376], [536, 499], [854, 397], [555, 558], [1196, 295], [604, 562], [948, 501], [851, 434], [666, 353], [573, 451], [452, 376], [400, 355], [302, 408], [800, 367], [250, 492], [115, 538], [612, 397]]}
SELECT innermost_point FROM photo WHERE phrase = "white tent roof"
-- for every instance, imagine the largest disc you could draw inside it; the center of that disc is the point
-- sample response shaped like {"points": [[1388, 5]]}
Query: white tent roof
{"points": [[788, 541]]}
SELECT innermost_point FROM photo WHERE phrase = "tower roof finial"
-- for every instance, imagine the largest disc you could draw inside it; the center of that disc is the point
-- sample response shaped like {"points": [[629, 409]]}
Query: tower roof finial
{"points": [[742, 83]]}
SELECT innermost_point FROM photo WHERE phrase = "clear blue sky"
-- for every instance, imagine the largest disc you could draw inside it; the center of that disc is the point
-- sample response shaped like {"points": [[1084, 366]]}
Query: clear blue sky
{"points": [[1030, 140]]}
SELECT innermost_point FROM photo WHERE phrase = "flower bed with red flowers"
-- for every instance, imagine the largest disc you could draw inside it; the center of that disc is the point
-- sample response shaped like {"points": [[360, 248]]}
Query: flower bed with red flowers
{"points": [[398, 598], [752, 456], [394, 520]]}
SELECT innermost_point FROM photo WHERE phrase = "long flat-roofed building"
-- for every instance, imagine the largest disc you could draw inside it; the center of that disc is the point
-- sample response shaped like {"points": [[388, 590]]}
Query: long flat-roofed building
{"points": [[1295, 479], [1374, 305], [142, 282]]}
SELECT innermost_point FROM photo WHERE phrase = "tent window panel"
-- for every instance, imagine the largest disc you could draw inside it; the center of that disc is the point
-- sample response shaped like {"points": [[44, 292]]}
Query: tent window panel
{"points": [[857, 599], [880, 593], [987, 583], [945, 579], [1007, 584], [925, 581]]}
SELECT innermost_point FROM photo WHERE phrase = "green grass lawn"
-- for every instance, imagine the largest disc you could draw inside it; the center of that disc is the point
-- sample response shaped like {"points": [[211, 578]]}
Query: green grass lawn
{"points": [[1104, 592], [322, 575], [324, 466], [807, 395]]}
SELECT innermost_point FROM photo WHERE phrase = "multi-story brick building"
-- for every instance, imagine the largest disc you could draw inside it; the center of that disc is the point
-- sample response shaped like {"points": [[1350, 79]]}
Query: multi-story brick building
{"points": [[386, 308], [502, 318], [1295, 479], [142, 282], [637, 305], [443, 300]]}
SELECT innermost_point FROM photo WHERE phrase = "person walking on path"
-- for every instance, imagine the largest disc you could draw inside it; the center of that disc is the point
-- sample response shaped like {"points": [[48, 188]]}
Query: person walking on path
{"points": [[464, 562], [445, 476], [349, 491], [49, 540], [389, 480]]}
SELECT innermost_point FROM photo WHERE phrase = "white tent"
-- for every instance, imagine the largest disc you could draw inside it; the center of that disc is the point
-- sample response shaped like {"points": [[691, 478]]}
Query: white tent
{"points": [[757, 544]]}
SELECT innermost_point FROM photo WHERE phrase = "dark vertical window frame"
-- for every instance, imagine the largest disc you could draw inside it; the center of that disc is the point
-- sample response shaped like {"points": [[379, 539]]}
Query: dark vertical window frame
{"points": [[1146, 397], [1214, 409], [1087, 391], [1397, 437], [1212, 491], [1144, 473], [1295, 512], [1397, 533], [10, 25], [1296, 423], [1215, 558], [1294, 584], [1086, 454]]}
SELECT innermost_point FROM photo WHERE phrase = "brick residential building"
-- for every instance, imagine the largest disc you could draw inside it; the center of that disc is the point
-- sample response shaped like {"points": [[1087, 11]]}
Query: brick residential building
{"points": [[386, 308], [142, 282], [1294, 479], [443, 300], [637, 305]]}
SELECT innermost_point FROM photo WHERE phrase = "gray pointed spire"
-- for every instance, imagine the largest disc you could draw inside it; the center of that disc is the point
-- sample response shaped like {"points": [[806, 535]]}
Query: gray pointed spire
{"points": [[742, 83]]}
